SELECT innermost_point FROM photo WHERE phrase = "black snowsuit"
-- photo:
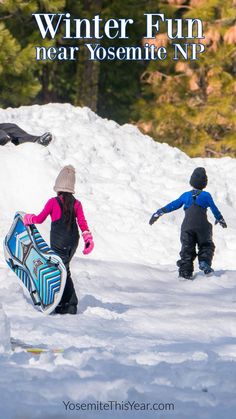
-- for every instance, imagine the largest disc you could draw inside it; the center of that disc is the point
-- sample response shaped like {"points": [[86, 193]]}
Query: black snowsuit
{"points": [[64, 241], [13, 133], [195, 230]]}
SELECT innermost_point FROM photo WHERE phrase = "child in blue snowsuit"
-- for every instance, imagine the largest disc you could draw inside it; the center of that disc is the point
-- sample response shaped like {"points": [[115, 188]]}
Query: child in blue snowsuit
{"points": [[195, 229]]}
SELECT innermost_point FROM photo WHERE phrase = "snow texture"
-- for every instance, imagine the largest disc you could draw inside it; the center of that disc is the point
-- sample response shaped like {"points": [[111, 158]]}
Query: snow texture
{"points": [[141, 334], [4, 332]]}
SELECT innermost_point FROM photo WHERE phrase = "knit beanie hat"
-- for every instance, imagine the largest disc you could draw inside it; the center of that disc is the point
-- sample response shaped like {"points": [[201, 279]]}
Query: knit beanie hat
{"points": [[65, 181], [198, 178]]}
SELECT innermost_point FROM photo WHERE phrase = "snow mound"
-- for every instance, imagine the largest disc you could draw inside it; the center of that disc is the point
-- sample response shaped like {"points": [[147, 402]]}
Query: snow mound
{"points": [[4, 332], [122, 177]]}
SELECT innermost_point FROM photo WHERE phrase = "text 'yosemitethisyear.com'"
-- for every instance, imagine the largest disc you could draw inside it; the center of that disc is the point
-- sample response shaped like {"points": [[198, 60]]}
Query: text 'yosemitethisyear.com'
{"points": [[114, 405]]}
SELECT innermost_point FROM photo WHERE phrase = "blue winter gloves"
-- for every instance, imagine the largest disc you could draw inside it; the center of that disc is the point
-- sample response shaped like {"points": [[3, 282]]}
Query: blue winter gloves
{"points": [[155, 216], [222, 222]]}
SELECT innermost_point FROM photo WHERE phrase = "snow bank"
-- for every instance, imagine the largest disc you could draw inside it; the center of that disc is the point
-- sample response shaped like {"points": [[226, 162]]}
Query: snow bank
{"points": [[122, 177], [4, 332]]}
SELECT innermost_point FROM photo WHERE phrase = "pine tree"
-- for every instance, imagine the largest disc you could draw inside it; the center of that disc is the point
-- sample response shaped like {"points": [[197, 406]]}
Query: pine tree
{"points": [[119, 84], [21, 76], [86, 72], [191, 104], [18, 84]]}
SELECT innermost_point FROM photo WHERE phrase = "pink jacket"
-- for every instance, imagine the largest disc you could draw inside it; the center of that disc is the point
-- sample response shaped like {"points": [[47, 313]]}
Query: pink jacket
{"points": [[53, 209]]}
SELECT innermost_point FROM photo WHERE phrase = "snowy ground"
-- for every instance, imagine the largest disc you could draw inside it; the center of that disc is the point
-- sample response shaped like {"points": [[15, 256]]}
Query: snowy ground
{"points": [[141, 334]]}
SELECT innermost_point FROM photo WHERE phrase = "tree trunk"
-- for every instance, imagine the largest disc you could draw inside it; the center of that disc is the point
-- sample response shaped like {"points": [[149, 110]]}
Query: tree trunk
{"points": [[48, 95], [88, 71]]}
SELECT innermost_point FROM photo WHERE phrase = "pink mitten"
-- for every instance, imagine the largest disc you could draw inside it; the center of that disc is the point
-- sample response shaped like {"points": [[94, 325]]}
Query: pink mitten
{"points": [[27, 220], [88, 242]]}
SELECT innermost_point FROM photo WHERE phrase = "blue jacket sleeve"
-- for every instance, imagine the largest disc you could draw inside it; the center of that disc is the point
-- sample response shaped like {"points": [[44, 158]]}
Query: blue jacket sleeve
{"points": [[174, 205], [214, 208]]}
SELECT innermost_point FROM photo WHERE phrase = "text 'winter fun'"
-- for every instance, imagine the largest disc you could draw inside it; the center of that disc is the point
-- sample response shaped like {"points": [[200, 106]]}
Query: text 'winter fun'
{"points": [[95, 30]]}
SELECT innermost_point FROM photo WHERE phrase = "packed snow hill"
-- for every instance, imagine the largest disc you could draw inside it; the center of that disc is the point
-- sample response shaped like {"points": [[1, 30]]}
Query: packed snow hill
{"points": [[144, 344]]}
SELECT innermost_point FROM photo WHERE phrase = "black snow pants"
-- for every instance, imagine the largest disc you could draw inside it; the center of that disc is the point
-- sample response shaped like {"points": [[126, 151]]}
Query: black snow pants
{"points": [[64, 242], [13, 133], [195, 231]]}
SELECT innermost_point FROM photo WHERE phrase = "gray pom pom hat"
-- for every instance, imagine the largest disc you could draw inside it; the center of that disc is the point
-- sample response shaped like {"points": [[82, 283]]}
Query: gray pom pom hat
{"points": [[65, 181]]}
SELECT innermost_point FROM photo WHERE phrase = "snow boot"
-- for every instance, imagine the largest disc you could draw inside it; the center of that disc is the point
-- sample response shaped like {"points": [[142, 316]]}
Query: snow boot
{"points": [[45, 139], [66, 309], [72, 309], [203, 266], [4, 139], [185, 275]]}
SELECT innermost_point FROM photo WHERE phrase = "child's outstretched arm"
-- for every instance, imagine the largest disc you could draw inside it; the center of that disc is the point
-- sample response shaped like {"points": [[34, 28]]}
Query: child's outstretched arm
{"points": [[172, 206], [39, 219], [217, 214]]}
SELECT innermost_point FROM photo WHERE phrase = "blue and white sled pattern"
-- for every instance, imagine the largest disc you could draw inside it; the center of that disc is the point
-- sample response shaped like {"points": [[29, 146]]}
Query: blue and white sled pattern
{"points": [[40, 270]]}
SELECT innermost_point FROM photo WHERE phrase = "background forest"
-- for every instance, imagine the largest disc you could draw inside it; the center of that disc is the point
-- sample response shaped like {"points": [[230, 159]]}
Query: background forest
{"points": [[187, 104]]}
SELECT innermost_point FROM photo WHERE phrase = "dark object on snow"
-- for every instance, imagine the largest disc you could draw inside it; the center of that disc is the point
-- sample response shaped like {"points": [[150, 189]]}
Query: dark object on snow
{"points": [[198, 178], [66, 309], [155, 216], [4, 138], [45, 139], [203, 266], [15, 134], [222, 222], [185, 275]]}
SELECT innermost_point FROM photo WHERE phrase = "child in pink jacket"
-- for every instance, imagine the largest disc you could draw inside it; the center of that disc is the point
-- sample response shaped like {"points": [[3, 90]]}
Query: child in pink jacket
{"points": [[66, 214]]}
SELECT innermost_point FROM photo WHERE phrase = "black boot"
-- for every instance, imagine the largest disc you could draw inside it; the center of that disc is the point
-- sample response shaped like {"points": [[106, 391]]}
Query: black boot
{"points": [[203, 266], [4, 139], [45, 139], [185, 271], [185, 275], [72, 309], [66, 309]]}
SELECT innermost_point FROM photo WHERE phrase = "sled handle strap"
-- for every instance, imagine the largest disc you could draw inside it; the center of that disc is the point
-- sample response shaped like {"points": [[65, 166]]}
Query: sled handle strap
{"points": [[36, 303], [50, 263], [13, 266]]}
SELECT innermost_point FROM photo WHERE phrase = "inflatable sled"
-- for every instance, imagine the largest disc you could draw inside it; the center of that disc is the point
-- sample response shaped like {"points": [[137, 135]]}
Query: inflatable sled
{"points": [[39, 269]]}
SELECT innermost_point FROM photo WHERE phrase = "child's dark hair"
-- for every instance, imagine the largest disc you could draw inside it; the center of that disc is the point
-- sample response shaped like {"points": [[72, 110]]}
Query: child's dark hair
{"points": [[68, 207]]}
